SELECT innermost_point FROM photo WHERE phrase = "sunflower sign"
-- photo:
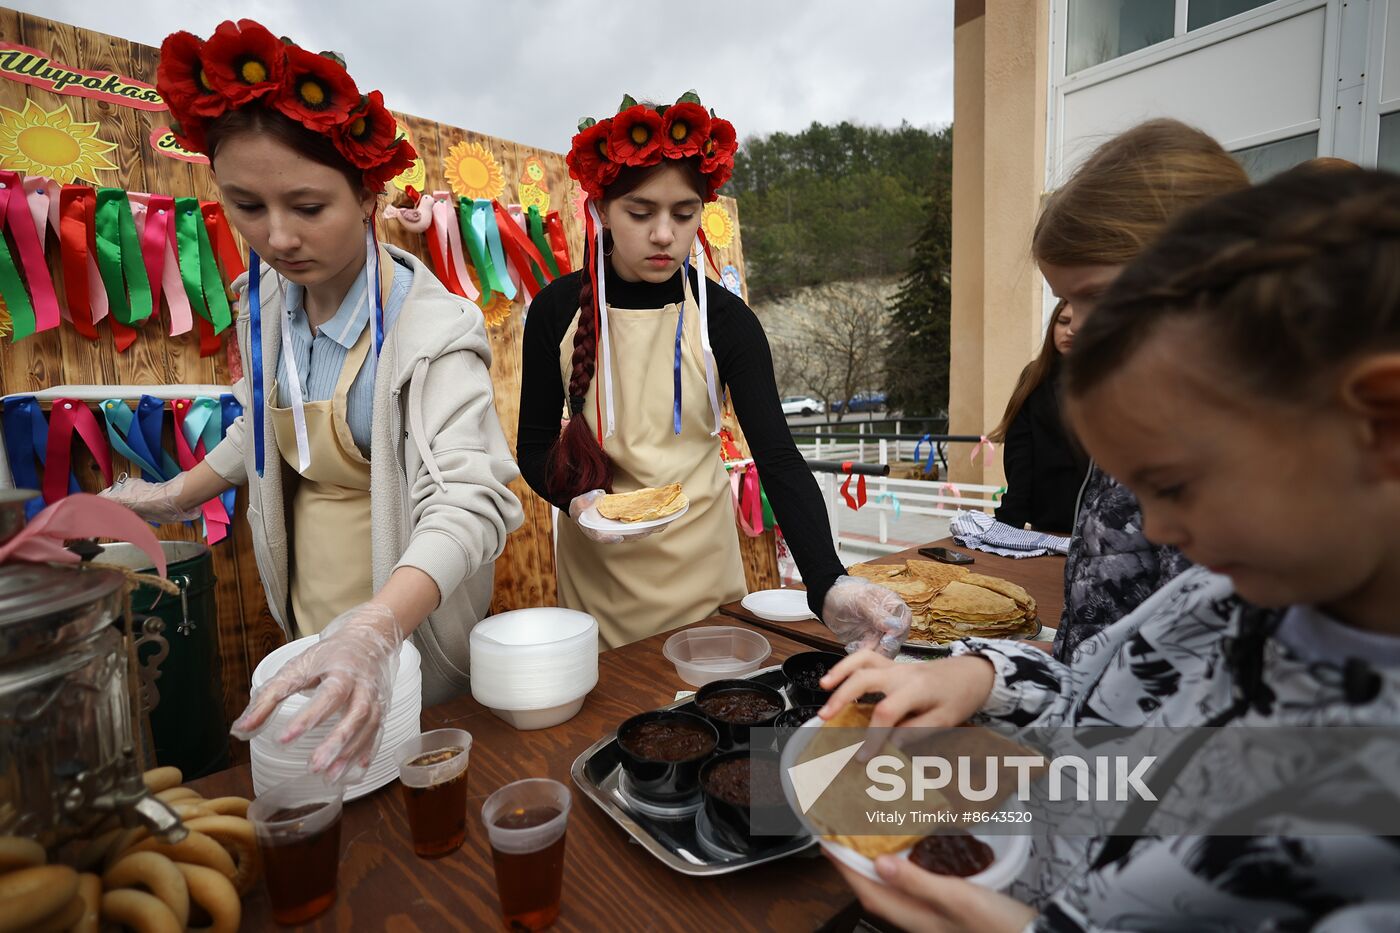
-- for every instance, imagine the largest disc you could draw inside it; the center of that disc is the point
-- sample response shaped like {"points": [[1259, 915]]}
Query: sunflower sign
{"points": [[473, 172], [718, 227], [51, 143]]}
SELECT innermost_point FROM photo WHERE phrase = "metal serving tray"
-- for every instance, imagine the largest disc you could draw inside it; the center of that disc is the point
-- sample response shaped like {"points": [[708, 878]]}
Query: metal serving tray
{"points": [[676, 842]]}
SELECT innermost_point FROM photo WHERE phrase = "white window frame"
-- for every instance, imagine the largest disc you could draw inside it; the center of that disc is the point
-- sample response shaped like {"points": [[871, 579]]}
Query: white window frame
{"points": [[1059, 84], [1375, 108]]}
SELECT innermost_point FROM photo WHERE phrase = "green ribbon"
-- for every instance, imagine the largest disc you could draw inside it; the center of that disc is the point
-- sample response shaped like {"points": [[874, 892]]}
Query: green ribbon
{"points": [[199, 268], [16, 296], [475, 238], [534, 221], [119, 258]]}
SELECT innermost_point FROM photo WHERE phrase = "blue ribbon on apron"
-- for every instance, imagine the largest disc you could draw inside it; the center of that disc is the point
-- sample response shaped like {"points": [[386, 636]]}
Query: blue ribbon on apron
{"points": [[230, 411], [27, 441], [255, 348], [676, 364]]}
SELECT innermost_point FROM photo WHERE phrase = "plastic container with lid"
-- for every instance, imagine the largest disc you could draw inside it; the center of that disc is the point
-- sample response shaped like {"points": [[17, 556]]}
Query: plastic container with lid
{"points": [[715, 652]]}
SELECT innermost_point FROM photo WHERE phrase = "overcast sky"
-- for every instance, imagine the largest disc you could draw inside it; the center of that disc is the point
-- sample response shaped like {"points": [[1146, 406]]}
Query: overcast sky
{"points": [[526, 70]]}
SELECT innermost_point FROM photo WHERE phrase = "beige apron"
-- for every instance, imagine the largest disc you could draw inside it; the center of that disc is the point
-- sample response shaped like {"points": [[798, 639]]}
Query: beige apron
{"points": [[331, 569], [685, 572]]}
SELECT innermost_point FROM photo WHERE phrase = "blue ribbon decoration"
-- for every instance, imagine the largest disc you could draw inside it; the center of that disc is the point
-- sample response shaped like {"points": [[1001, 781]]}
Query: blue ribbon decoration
{"points": [[892, 499], [255, 348], [676, 364], [377, 296], [230, 411], [130, 444], [932, 452], [25, 443], [150, 421], [493, 244]]}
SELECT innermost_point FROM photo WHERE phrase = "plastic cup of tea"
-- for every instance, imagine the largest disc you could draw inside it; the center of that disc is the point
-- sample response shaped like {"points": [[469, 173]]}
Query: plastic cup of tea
{"points": [[526, 822], [433, 773], [297, 824]]}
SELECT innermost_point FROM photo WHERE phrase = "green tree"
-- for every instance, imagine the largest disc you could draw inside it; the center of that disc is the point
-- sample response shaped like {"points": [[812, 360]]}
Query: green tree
{"points": [[920, 316]]}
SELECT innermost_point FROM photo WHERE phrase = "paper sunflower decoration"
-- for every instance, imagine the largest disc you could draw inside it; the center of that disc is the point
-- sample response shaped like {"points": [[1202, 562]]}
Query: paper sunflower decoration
{"points": [[473, 172], [718, 226], [36, 141]]}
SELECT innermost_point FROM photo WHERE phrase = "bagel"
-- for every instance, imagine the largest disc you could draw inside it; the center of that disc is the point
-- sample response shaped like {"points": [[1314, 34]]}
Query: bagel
{"points": [[125, 839], [178, 793], [196, 849], [190, 808], [90, 890], [63, 919], [93, 856], [32, 894], [157, 875], [19, 852], [235, 834], [215, 894], [228, 806], [159, 779], [138, 910]]}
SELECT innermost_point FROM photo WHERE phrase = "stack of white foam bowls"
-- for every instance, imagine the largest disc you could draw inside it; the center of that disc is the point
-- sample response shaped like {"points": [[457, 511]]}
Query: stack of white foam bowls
{"points": [[533, 667], [273, 762]]}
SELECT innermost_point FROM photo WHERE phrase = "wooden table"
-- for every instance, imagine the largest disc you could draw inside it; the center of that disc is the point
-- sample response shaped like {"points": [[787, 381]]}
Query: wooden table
{"points": [[609, 882], [1042, 577]]}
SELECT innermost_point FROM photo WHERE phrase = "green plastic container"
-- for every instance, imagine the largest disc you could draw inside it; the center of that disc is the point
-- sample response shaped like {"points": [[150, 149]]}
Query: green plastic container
{"points": [[187, 721]]}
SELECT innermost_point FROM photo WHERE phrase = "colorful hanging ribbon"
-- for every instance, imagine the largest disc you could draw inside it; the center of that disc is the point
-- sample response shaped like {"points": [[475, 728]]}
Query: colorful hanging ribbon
{"points": [[32, 301], [119, 259], [26, 447], [676, 364], [255, 373], [996, 495], [709, 254], [68, 417], [41, 195], [748, 498], [445, 246], [857, 500], [892, 499], [150, 229], [983, 444], [707, 351], [932, 452], [132, 446], [523, 259], [160, 234], [199, 270], [558, 242], [600, 308], [229, 411], [194, 418], [77, 206], [534, 225], [950, 488]]}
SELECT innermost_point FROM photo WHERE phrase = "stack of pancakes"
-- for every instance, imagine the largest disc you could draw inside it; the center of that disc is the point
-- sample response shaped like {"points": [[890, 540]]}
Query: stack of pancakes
{"points": [[949, 602], [644, 505]]}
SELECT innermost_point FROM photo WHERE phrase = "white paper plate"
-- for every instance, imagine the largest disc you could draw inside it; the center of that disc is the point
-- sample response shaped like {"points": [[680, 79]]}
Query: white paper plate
{"points": [[1012, 852], [592, 520], [778, 605]]}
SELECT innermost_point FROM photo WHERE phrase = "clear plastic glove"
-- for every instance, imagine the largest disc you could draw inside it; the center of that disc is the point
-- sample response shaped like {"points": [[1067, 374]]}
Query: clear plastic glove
{"points": [[352, 668], [155, 502], [866, 615], [583, 503]]}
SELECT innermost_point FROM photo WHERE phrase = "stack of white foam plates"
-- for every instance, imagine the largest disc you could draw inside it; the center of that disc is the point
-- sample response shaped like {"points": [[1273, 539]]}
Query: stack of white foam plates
{"points": [[273, 762], [533, 667]]}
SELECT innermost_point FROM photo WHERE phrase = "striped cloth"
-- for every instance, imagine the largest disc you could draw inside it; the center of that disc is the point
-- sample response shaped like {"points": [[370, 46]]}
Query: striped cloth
{"points": [[980, 531], [319, 358]]}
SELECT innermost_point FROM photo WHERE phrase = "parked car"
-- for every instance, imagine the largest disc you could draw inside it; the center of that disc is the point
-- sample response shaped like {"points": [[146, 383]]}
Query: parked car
{"points": [[861, 401], [802, 405]]}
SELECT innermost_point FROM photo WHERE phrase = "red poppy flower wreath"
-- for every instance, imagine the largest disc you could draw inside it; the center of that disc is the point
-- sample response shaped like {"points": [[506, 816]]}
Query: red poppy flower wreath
{"points": [[243, 64], [640, 135]]}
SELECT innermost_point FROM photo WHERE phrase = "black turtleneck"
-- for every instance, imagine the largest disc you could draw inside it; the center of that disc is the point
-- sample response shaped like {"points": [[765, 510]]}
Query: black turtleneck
{"points": [[745, 366]]}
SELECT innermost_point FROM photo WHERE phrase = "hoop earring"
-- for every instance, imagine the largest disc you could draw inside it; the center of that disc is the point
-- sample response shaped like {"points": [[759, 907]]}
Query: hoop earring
{"points": [[607, 242], [608, 251]]}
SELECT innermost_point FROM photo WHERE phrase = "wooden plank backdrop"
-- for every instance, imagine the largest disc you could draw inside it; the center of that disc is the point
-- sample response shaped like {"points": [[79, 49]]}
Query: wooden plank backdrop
{"points": [[247, 632]]}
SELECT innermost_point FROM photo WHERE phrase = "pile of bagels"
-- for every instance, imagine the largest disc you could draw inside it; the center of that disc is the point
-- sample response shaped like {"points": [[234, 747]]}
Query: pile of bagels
{"points": [[125, 877]]}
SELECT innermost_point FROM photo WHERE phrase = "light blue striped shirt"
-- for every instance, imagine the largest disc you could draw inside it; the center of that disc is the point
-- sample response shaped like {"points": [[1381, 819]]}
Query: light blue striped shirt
{"points": [[319, 358]]}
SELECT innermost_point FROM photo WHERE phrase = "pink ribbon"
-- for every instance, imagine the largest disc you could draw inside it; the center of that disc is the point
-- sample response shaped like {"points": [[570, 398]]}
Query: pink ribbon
{"points": [[951, 489], [80, 516], [216, 518], [748, 499], [979, 446], [445, 225], [20, 222], [38, 190], [155, 218]]}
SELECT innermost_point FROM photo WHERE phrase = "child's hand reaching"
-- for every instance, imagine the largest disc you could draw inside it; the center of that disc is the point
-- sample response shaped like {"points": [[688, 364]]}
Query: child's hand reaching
{"points": [[936, 694]]}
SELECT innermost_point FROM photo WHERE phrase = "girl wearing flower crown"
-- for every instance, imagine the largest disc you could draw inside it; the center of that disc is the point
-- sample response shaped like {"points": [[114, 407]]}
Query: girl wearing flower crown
{"points": [[638, 347], [367, 392]]}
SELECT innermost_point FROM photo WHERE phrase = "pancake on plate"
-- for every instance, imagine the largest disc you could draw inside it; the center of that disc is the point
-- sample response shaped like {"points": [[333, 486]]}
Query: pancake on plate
{"points": [[644, 505]]}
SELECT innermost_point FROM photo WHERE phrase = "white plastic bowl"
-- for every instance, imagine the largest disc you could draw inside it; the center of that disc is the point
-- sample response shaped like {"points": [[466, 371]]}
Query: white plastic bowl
{"points": [[1011, 852], [539, 660], [528, 719], [715, 652]]}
